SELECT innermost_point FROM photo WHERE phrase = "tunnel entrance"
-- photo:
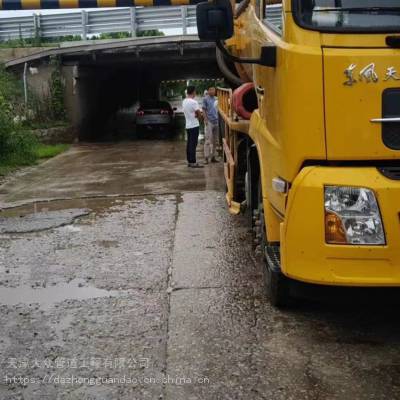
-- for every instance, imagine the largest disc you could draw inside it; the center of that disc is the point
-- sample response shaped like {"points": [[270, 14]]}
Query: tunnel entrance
{"points": [[109, 81], [111, 100]]}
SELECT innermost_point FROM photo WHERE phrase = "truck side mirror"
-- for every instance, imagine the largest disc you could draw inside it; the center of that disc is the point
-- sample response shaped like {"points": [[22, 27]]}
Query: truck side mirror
{"points": [[268, 56], [215, 20]]}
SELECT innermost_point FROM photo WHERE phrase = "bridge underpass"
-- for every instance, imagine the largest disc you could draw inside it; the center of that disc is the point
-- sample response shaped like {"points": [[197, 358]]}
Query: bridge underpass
{"points": [[102, 78]]}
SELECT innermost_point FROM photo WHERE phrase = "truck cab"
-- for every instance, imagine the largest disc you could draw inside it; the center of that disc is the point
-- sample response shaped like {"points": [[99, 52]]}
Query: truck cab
{"points": [[318, 165]]}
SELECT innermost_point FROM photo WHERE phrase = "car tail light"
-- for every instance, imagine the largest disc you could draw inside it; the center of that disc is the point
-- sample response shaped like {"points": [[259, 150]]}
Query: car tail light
{"points": [[140, 113]]}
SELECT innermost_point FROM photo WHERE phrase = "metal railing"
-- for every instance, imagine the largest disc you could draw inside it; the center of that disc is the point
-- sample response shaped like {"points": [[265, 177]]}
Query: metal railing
{"points": [[92, 23], [225, 102]]}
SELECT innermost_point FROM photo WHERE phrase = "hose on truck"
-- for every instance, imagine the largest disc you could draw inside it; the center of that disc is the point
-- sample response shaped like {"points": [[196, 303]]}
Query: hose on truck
{"points": [[226, 71], [244, 100]]}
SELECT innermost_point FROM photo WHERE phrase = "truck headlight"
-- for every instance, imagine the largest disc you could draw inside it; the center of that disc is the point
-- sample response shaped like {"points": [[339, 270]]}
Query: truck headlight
{"points": [[352, 216]]}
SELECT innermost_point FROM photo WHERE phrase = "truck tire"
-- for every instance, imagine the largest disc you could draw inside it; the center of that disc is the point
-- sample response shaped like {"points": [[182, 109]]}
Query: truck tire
{"points": [[277, 285]]}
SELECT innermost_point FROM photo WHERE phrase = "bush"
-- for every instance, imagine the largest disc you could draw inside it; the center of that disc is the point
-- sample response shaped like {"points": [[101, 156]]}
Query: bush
{"points": [[47, 109], [17, 147]]}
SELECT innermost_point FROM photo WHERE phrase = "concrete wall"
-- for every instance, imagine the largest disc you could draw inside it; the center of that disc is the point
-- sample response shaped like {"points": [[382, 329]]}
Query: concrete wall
{"points": [[14, 53], [73, 105], [39, 81], [90, 94]]}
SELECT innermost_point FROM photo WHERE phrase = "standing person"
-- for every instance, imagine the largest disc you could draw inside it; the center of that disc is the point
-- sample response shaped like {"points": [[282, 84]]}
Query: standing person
{"points": [[211, 122], [193, 114]]}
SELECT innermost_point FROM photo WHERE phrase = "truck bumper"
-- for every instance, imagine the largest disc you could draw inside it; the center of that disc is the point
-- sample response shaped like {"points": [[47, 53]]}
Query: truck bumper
{"points": [[305, 255]]}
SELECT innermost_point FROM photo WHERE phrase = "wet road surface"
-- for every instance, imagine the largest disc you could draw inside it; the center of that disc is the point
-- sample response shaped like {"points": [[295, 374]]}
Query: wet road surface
{"points": [[123, 276], [132, 168]]}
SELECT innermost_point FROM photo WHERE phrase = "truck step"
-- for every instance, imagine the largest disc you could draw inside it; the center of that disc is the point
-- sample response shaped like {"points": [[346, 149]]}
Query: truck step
{"points": [[273, 256]]}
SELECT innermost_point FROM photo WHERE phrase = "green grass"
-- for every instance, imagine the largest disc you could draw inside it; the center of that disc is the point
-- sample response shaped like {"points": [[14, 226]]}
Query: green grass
{"points": [[48, 150], [13, 163], [40, 152]]}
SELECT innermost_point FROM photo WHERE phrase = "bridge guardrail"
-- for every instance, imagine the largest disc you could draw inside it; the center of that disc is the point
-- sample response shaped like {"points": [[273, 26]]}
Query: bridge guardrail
{"points": [[89, 23]]}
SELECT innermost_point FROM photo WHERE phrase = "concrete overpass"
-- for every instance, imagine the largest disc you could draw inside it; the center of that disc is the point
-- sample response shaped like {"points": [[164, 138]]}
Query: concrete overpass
{"points": [[104, 76]]}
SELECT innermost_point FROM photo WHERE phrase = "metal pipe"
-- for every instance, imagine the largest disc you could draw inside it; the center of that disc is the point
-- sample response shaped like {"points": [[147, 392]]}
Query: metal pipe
{"points": [[25, 84]]}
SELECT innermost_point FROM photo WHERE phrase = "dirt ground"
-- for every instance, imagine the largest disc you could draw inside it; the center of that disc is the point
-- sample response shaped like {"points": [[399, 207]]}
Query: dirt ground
{"points": [[123, 277]]}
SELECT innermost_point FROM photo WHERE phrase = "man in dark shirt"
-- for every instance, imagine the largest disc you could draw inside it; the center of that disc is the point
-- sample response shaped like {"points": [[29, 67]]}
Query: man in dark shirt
{"points": [[211, 125]]}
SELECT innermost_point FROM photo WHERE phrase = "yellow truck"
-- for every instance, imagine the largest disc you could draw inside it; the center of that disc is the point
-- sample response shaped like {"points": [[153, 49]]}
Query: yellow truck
{"points": [[317, 166]]}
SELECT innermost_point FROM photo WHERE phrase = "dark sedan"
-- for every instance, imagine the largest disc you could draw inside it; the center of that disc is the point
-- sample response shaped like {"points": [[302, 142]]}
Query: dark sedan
{"points": [[155, 114]]}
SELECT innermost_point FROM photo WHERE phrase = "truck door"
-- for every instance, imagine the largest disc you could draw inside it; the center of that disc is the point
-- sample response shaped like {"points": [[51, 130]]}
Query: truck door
{"points": [[290, 96], [266, 82]]}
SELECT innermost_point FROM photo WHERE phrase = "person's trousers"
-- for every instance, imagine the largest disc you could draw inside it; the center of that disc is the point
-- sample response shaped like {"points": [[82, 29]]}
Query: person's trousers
{"points": [[210, 139], [191, 145]]}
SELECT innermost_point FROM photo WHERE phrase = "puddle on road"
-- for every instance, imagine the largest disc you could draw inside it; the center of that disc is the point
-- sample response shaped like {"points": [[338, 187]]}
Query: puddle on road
{"points": [[43, 215], [94, 204], [47, 297], [40, 221]]}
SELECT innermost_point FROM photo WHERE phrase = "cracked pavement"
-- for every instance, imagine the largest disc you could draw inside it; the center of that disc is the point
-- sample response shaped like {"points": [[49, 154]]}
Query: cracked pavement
{"points": [[119, 264]]}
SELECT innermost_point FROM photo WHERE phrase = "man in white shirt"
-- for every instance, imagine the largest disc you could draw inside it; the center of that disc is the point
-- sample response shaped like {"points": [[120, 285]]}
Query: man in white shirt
{"points": [[193, 114]]}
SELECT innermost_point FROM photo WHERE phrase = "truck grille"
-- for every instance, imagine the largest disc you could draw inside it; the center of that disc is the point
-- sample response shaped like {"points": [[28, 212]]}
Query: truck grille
{"points": [[391, 109], [390, 172]]}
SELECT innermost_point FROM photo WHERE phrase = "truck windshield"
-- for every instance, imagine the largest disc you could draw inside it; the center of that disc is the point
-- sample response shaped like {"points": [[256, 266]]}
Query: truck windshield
{"points": [[349, 15]]}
